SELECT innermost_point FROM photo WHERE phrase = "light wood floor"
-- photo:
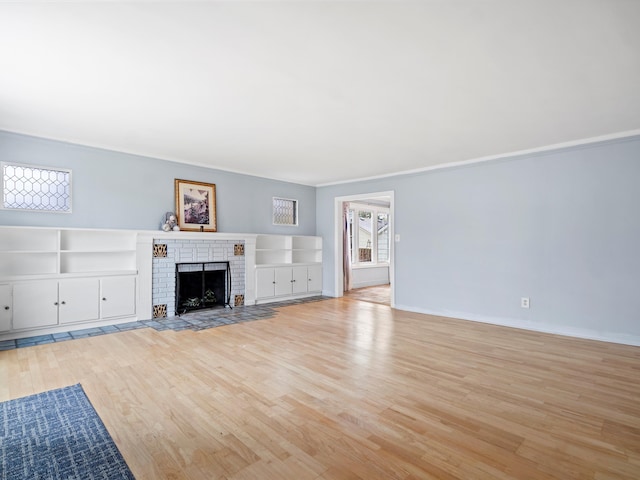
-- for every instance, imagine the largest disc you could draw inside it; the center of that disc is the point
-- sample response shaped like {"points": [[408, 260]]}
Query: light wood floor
{"points": [[377, 294], [344, 389]]}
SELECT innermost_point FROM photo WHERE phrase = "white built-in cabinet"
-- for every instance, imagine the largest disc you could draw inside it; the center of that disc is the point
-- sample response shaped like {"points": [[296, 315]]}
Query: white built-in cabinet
{"points": [[50, 302], [314, 278], [44, 303], [288, 267], [117, 297], [62, 279], [5, 308]]}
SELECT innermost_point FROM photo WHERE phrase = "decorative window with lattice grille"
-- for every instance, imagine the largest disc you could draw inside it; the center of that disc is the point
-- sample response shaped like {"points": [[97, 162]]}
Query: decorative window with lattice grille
{"points": [[38, 189], [285, 211]]}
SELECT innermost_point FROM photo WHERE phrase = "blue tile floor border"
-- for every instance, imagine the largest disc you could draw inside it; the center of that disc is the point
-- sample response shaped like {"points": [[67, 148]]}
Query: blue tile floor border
{"points": [[196, 321]]}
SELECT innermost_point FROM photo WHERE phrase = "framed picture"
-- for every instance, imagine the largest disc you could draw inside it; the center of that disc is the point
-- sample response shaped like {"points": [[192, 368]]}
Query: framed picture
{"points": [[196, 206]]}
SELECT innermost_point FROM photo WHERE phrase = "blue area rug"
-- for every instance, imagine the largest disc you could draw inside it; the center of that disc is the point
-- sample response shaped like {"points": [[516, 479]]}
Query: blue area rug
{"points": [[57, 435]]}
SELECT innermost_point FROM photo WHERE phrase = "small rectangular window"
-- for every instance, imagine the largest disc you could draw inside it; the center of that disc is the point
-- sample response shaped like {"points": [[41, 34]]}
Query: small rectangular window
{"points": [[285, 211], [26, 187]]}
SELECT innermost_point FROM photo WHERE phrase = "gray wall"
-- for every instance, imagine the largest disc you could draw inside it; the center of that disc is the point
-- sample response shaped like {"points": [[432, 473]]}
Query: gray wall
{"points": [[117, 190], [369, 276], [561, 227]]}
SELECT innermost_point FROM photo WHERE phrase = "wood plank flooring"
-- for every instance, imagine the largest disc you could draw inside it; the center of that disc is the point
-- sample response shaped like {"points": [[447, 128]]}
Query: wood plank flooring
{"points": [[344, 389], [377, 294]]}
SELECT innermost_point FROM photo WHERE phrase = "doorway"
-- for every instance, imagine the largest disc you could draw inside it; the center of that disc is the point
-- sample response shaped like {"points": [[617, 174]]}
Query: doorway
{"points": [[370, 254], [380, 294]]}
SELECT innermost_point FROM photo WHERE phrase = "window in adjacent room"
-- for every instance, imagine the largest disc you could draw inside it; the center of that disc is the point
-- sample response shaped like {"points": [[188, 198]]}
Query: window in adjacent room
{"points": [[285, 211], [38, 189], [369, 235], [382, 235]]}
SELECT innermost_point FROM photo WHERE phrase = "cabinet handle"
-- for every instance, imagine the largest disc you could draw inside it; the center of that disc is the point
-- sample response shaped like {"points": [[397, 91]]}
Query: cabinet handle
{"points": [[6, 307], [55, 303], [63, 303], [273, 282], [104, 299]]}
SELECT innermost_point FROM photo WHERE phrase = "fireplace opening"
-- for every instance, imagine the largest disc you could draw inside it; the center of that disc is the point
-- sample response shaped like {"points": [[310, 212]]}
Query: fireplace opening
{"points": [[202, 285]]}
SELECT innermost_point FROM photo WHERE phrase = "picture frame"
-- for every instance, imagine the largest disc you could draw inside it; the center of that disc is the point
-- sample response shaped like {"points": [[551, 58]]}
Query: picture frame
{"points": [[196, 206]]}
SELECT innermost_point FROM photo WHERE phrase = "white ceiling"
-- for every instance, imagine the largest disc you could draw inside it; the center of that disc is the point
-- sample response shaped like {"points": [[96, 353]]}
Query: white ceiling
{"points": [[317, 92]]}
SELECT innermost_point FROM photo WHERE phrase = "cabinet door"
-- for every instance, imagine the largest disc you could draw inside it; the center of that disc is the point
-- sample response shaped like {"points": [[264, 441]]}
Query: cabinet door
{"points": [[283, 279], [265, 282], [299, 276], [314, 278], [35, 304], [118, 297], [78, 300], [5, 308]]}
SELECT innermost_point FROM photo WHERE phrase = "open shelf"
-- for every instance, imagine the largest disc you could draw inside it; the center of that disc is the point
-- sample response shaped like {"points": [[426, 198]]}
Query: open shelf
{"points": [[273, 242], [28, 263], [97, 240], [273, 257], [88, 262], [306, 243], [17, 240], [33, 251], [287, 250], [307, 256]]}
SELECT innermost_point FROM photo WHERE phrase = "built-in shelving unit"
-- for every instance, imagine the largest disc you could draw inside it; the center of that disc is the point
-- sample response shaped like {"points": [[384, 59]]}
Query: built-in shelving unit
{"points": [[85, 251], [287, 266], [51, 278], [287, 250], [274, 250], [31, 251]]}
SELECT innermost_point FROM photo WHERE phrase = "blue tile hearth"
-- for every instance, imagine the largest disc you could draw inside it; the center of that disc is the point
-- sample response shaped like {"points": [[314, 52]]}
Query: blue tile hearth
{"points": [[39, 340], [196, 321], [7, 345]]}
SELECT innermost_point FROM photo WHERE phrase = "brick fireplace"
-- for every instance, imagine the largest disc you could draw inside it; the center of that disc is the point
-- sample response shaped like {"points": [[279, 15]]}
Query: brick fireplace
{"points": [[169, 252]]}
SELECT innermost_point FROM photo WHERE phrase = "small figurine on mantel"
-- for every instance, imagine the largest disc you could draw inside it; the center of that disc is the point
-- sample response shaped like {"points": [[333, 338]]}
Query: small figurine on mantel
{"points": [[170, 222]]}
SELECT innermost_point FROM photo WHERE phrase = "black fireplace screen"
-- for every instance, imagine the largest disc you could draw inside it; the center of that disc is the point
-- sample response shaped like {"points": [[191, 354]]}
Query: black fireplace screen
{"points": [[202, 285]]}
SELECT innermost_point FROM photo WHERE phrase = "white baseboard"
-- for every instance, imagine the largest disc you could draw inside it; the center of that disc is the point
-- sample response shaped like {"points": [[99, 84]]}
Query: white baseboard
{"points": [[284, 298], [372, 283], [613, 337]]}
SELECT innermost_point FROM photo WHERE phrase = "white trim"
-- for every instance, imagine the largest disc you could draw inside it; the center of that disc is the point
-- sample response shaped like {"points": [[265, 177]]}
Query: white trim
{"points": [[285, 298], [566, 331], [369, 206], [153, 156], [369, 284], [440, 166], [337, 237]]}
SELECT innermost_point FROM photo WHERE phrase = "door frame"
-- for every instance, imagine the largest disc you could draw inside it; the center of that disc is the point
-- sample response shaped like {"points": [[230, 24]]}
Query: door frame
{"points": [[338, 242]]}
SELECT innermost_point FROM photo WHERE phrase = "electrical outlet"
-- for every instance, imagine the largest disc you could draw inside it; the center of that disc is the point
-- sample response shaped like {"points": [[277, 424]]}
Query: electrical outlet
{"points": [[524, 302]]}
